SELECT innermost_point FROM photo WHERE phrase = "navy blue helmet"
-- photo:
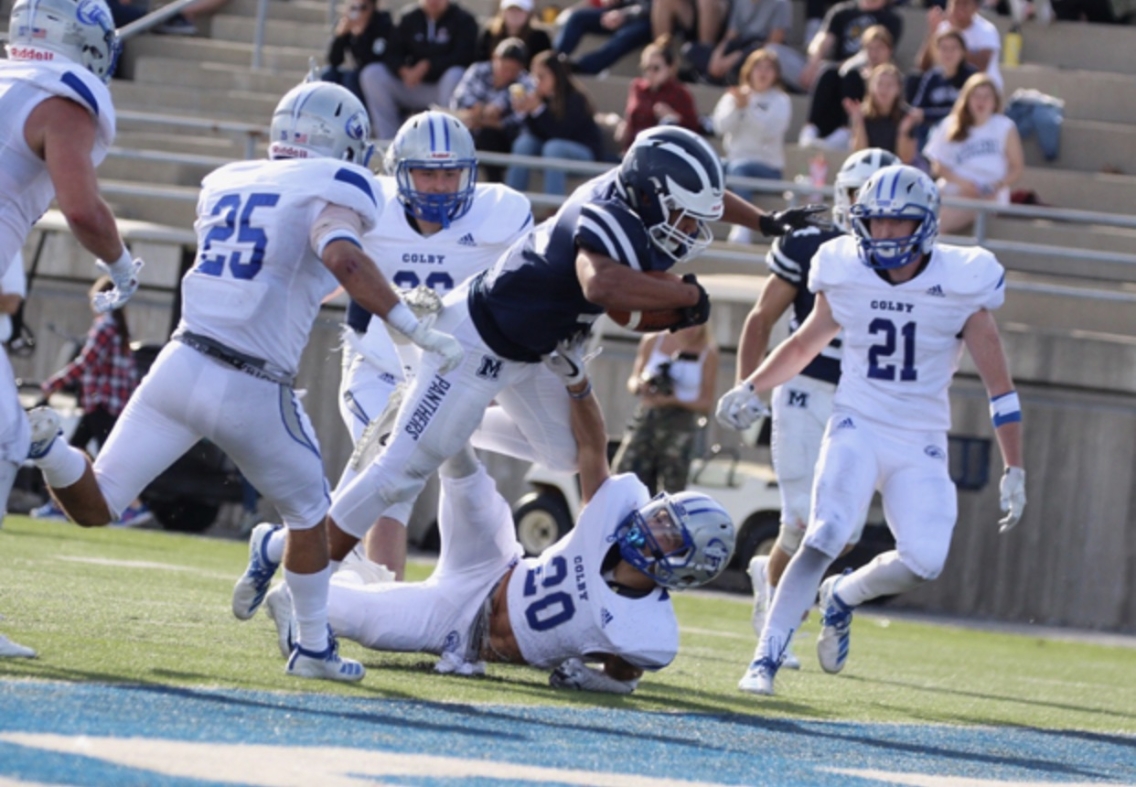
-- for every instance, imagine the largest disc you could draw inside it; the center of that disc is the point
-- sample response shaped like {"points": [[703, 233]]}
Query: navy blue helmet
{"points": [[670, 175]]}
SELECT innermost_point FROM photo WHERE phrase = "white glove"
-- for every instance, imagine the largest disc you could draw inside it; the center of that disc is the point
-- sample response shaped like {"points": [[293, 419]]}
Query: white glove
{"points": [[453, 664], [437, 342], [575, 674], [1013, 490], [569, 361], [422, 300], [740, 407], [124, 274]]}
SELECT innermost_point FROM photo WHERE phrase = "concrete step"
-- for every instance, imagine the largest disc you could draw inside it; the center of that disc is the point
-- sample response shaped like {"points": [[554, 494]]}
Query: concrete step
{"points": [[210, 76], [1089, 146], [147, 137], [308, 11], [1081, 190], [237, 105], [312, 37], [173, 206], [153, 172], [275, 59], [1088, 95]]}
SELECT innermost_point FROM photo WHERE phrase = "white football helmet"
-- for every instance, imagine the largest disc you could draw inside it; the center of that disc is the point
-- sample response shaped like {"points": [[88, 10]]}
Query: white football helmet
{"points": [[669, 169], [80, 30], [320, 119], [681, 541], [853, 174], [433, 140], [898, 192]]}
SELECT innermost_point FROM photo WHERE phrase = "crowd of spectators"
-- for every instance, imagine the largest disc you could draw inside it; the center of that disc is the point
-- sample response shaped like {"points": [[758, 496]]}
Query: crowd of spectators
{"points": [[517, 88]]}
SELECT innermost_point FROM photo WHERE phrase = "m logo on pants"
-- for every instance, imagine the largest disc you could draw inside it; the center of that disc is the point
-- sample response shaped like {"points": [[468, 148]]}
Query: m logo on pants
{"points": [[799, 399], [490, 367]]}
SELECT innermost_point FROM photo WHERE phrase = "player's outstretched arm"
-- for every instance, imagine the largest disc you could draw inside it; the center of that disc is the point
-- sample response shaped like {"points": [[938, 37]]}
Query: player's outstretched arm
{"points": [[591, 441], [614, 286], [782, 222], [984, 344], [776, 296]]}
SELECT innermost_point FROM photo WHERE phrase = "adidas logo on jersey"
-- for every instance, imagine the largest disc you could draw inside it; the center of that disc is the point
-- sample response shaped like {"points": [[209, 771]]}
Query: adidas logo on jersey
{"points": [[846, 424], [936, 290], [467, 240], [605, 617]]}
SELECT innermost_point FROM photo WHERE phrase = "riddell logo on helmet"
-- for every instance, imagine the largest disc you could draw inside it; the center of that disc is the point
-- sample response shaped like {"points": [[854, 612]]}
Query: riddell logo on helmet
{"points": [[29, 53], [281, 149]]}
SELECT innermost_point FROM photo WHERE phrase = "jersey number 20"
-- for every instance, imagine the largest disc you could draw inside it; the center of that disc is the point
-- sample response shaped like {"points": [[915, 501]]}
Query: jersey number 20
{"points": [[878, 356], [253, 238], [554, 608]]}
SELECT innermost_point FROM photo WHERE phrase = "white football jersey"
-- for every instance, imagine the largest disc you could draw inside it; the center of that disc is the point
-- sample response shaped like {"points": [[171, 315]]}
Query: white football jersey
{"points": [[498, 217], [902, 342], [26, 190], [561, 607], [257, 283]]}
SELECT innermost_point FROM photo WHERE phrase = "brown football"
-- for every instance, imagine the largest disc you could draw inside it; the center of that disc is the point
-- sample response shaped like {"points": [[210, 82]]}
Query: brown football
{"points": [[648, 320]]}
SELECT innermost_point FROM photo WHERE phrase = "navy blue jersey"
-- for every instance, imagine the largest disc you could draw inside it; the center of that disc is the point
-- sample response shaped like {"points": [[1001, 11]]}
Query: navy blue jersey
{"points": [[532, 299], [789, 259]]}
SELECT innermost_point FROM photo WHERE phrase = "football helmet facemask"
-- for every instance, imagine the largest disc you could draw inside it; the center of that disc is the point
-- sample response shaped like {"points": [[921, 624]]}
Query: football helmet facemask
{"points": [[321, 119], [897, 192], [433, 140], [853, 174], [80, 30], [667, 175], [681, 541]]}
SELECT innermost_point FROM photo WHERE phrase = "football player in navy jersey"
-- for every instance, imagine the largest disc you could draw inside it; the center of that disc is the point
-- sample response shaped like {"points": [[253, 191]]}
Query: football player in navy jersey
{"points": [[801, 407], [647, 215]]}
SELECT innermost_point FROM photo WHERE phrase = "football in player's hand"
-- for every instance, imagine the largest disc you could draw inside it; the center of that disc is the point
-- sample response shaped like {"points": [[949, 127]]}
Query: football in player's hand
{"points": [[649, 320]]}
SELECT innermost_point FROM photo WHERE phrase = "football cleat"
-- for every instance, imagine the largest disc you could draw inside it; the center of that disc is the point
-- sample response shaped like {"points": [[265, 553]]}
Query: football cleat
{"points": [[758, 679], [45, 428], [14, 650], [278, 603], [836, 624], [326, 664], [250, 589]]}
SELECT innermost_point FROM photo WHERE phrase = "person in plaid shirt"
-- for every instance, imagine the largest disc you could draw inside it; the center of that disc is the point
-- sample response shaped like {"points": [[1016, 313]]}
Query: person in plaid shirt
{"points": [[107, 376]]}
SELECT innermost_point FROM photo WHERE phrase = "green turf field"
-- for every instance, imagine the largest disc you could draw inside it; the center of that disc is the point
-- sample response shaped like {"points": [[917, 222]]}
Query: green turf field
{"points": [[153, 607]]}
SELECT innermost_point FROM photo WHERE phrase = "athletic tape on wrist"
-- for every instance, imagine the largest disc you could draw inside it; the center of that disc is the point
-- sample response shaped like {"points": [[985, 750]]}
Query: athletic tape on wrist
{"points": [[1005, 409]]}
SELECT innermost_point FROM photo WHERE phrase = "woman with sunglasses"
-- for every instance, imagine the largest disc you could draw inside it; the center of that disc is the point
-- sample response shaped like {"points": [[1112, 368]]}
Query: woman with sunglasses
{"points": [[657, 98]]}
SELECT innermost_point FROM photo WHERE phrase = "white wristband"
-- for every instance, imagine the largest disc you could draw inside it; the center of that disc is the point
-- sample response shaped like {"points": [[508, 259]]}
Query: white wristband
{"points": [[402, 319], [123, 265], [1005, 409]]}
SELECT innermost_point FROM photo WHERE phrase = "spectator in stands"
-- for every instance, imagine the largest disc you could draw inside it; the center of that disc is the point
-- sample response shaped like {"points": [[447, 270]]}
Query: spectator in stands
{"points": [[701, 21], [364, 31], [983, 43], [483, 102], [123, 12], [752, 119], [432, 45], [827, 125], [880, 120], [512, 20], [841, 34], [934, 91], [673, 377], [1085, 10], [657, 98], [752, 24], [559, 123], [628, 22], [105, 372], [976, 152]]}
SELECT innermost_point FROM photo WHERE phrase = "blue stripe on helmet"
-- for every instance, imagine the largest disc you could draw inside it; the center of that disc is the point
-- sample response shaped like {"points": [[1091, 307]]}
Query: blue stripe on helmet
{"points": [[446, 130], [895, 184], [433, 141]]}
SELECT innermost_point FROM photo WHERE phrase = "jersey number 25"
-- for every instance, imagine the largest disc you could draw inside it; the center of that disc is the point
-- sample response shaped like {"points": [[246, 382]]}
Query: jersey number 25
{"points": [[250, 239]]}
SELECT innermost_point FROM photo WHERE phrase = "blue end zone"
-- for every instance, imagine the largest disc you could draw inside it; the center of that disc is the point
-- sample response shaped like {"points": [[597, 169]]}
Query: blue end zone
{"points": [[669, 748]]}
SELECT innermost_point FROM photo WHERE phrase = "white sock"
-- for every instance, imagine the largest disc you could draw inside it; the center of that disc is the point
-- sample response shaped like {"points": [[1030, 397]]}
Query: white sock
{"points": [[275, 546], [795, 594], [62, 465], [309, 602], [886, 575]]}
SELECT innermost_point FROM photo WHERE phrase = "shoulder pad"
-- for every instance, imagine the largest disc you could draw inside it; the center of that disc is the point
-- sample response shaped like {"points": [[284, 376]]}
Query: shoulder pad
{"points": [[609, 227], [502, 214], [975, 272], [834, 263]]}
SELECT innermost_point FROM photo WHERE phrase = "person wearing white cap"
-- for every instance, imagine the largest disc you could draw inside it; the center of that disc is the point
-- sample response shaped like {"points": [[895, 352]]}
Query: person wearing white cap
{"points": [[434, 42], [514, 19]]}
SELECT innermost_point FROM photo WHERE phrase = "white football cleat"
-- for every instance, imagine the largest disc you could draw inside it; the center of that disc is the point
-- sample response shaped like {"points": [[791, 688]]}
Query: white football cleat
{"points": [[836, 624], [14, 650], [758, 574], [250, 589], [327, 664], [45, 428], [758, 679], [278, 604]]}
